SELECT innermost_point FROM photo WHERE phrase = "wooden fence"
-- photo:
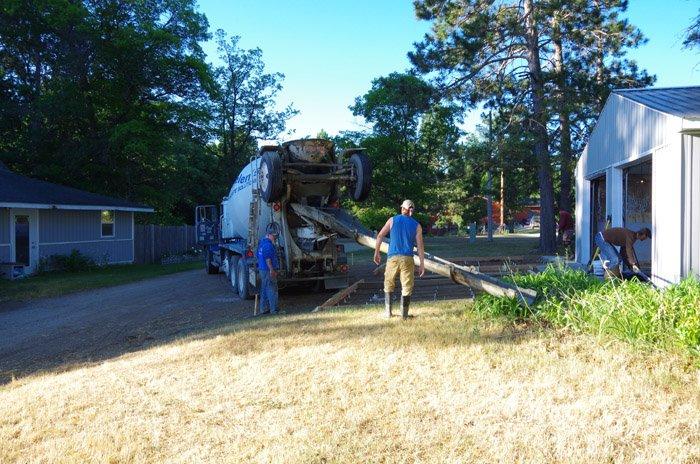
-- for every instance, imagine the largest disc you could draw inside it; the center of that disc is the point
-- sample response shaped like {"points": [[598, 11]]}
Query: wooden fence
{"points": [[153, 243]]}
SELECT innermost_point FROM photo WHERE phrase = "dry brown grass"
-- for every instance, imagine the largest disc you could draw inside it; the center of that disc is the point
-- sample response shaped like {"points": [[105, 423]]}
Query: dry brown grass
{"points": [[348, 386]]}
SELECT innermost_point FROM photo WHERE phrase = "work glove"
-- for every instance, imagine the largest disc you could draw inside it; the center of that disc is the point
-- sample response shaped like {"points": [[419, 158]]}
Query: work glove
{"points": [[635, 269]]}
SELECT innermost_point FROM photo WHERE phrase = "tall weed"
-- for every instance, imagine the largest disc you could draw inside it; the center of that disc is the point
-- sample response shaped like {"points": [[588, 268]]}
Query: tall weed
{"points": [[629, 310]]}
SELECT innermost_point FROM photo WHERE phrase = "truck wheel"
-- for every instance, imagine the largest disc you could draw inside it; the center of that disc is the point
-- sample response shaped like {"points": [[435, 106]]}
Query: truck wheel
{"points": [[209, 263], [233, 271], [270, 173], [359, 189], [244, 290]]}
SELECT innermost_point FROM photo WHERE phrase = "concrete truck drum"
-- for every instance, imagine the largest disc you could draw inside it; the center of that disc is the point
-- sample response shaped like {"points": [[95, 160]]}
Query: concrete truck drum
{"points": [[308, 172]]}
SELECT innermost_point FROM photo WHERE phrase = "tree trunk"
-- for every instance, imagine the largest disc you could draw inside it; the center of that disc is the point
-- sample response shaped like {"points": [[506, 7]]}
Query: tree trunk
{"points": [[539, 130], [565, 151]]}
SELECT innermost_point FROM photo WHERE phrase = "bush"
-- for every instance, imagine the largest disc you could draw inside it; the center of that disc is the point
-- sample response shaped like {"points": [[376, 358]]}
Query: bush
{"points": [[74, 262], [629, 310]]}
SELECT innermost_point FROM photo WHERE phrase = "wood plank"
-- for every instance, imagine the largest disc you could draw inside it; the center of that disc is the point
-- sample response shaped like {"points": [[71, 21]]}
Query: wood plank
{"points": [[338, 297]]}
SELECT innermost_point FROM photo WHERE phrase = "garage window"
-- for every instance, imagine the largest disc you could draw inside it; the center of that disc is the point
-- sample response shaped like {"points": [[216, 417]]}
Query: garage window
{"points": [[107, 223]]}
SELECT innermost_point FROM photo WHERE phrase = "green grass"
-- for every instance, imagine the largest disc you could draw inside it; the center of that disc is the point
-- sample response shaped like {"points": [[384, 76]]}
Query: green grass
{"points": [[504, 246], [56, 284], [628, 310]]}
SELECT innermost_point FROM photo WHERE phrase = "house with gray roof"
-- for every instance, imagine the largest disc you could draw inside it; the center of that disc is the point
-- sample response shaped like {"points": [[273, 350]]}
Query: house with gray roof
{"points": [[39, 219], [641, 168]]}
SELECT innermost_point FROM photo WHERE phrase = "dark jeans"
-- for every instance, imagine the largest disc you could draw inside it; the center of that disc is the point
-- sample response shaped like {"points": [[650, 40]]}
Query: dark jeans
{"points": [[268, 292]]}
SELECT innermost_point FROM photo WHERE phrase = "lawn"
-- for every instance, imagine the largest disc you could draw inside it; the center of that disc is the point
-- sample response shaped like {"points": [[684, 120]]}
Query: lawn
{"points": [[56, 284], [507, 245], [349, 386]]}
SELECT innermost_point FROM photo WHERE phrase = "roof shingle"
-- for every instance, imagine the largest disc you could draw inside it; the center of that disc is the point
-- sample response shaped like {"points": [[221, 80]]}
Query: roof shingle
{"points": [[16, 189]]}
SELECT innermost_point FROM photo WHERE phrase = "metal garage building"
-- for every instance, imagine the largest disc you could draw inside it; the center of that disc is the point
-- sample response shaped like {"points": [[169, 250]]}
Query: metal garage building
{"points": [[39, 219], [641, 167]]}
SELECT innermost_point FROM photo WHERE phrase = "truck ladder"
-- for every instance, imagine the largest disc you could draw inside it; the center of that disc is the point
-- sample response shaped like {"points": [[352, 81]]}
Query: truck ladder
{"points": [[253, 213], [463, 275]]}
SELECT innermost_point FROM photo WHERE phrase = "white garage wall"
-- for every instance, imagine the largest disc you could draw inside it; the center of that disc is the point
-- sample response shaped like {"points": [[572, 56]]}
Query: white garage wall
{"points": [[626, 130], [583, 212], [691, 205], [667, 198]]}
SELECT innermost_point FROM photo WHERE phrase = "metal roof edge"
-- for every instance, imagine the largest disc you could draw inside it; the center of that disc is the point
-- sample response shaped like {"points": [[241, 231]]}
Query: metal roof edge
{"points": [[647, 89]]}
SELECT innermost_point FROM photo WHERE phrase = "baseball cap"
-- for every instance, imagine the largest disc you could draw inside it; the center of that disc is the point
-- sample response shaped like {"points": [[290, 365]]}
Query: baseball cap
{"points": [[273, 229], [408, 204]]}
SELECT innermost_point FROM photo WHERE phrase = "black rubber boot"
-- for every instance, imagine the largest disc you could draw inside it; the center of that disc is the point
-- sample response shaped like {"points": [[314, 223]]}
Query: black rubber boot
{"points": [[405, 302], [387, 305]]}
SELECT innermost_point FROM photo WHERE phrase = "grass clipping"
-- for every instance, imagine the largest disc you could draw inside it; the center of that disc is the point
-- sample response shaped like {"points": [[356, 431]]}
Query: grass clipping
{"points": [[350, 386], [629, 310]]}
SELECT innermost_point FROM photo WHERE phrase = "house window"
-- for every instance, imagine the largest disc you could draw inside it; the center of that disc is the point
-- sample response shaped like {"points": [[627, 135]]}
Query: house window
{"points": [[108, 223]]}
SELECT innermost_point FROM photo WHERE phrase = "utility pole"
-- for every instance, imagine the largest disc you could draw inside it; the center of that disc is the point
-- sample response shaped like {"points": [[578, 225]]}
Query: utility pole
{"points": [[489, 186], [503, 200]]}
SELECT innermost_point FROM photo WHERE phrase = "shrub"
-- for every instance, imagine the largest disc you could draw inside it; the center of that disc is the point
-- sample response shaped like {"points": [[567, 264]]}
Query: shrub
{"points": [[629, 310], [74, 262]]}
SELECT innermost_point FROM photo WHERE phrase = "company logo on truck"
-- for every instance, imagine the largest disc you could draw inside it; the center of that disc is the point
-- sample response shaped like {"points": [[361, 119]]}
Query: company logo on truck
{"points": [[244, 181]]}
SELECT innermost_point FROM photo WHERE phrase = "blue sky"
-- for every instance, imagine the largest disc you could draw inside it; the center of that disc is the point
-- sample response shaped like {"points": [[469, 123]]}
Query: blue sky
{"points": [[331, 50]]}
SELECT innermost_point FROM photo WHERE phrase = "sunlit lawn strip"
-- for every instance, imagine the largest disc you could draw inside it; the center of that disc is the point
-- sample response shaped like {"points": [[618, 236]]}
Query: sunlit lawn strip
{"points": [[56, 284]]}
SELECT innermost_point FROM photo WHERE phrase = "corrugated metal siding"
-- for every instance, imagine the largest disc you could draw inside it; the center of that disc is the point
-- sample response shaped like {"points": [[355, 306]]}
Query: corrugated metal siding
{"points": [[110, 251], [4, 225], [76, 226], [625, 130]]}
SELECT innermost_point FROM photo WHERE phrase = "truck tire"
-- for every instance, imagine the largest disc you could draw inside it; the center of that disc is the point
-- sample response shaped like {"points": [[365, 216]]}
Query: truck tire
{"points": [[242, 275], [359, 189], [209, 263], [270, 172], [233, 271]]}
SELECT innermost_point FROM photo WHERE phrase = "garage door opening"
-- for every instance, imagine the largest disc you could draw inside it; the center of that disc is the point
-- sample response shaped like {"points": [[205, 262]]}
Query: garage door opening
{"points": [[598, 218], [637, 196]]}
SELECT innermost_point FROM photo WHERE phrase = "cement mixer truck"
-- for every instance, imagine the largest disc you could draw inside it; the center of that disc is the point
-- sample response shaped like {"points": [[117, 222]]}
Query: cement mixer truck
{"points": [[307, 172]]}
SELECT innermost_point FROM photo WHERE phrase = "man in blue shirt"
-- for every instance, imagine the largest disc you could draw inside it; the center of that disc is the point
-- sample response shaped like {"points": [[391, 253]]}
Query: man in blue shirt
{"points": [[268, 264], [406, 233]]}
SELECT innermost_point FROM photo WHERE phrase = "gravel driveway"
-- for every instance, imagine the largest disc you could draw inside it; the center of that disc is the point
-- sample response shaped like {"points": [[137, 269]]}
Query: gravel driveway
{"points": [[56, 333]]}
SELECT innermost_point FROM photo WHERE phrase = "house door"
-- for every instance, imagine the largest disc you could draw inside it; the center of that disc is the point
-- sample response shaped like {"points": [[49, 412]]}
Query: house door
{"points": [[24, 238]]}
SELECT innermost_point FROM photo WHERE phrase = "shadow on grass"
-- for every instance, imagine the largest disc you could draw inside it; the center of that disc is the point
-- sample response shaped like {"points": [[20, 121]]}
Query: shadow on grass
{"points": [[446, 326]]}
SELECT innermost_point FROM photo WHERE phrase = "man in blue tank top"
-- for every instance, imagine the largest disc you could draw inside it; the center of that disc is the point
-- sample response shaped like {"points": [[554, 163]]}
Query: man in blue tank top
{"points": [[405, 234]]}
